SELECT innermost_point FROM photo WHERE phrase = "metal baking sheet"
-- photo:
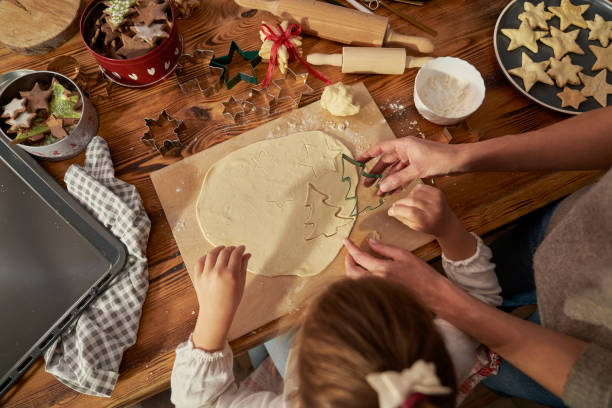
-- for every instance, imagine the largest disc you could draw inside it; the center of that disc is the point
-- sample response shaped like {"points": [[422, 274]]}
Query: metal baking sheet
{"points": [[56, 258], [546, 95]]}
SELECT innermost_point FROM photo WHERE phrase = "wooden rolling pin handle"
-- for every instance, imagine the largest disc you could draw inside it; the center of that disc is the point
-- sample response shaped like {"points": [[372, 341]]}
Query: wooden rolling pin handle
{"points": [[267, 5], [325, 59], [420, 44], [417, 62]]}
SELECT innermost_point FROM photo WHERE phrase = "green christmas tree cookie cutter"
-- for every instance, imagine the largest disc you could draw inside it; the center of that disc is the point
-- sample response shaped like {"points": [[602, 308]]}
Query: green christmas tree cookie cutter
{"points": [[223, 62], [355, 211]]}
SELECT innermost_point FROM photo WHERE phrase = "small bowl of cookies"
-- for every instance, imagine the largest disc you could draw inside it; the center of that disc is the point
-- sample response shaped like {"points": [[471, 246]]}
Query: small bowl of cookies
{"points": [[135, 42], [46, 114]]}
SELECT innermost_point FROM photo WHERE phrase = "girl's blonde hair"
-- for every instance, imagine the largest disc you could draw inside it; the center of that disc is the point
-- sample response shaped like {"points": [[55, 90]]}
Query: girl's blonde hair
{"points": [[362, 326]]}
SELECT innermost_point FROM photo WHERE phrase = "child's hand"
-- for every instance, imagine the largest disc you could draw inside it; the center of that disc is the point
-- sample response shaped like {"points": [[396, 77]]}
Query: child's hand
{"points": [[425, 209], [219, 284]]}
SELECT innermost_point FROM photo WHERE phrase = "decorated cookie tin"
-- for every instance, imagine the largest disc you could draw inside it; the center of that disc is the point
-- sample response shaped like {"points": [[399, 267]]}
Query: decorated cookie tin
{"points": [[75, 142], [142, 71]]}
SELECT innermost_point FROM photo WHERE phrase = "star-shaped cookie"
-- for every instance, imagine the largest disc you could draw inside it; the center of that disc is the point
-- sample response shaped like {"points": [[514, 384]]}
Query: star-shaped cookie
{"points": [[564, 71], [604, 57], [532, 72], [24, 120], [571, 97], [151, 12], [569, 14], [536, 16], [562, 43], [600, 29], [151, 33], [596, 86], [13, 108], [133, 47], [523, 36], [37, 98]]}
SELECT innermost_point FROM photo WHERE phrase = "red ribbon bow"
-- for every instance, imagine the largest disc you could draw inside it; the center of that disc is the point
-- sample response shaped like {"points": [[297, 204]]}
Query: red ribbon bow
{"points": [[293, 30]]}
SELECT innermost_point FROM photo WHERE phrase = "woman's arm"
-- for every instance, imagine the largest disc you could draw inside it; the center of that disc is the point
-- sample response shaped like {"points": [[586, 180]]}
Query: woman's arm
{"points": [[544, 355], [583, 142]]}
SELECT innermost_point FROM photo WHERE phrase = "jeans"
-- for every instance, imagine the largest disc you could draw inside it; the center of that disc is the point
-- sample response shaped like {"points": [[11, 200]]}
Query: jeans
{"points": [[277, 349], [513, 257]]}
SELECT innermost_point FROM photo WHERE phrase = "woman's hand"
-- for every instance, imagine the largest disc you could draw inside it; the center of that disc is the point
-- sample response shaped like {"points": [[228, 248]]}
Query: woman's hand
{"points": [[219, 283], [399, 265], [426, 210], [409, 158]]}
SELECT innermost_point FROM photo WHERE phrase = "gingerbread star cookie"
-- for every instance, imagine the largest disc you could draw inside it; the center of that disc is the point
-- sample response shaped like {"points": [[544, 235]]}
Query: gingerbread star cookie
{"points": [[562, 43], [151, 33], [37, 97], [56, 126], [600, 29], [569, 14], [596, 86], [564, 71], [133, 47], [532, 72], [523, 36], [571, 97], [604, 57], [13, 108], [24, 120], [535, 16], [151, 12]]}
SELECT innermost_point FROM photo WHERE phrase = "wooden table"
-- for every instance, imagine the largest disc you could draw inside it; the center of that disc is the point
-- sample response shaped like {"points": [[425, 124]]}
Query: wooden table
{"points": [[483, 201]]}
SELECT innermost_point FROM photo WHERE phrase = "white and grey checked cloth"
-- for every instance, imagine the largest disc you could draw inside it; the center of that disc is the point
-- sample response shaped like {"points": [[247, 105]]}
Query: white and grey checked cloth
{"points": [[86, 358]]}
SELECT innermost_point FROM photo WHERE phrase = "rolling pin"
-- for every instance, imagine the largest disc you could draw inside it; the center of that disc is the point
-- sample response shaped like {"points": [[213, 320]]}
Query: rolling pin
{"points": [[337, 23], [369, 60]]}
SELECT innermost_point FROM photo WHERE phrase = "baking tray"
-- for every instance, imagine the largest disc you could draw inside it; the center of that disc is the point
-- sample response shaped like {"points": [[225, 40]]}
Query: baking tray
{"points": [[543, 94], [56, 259]]}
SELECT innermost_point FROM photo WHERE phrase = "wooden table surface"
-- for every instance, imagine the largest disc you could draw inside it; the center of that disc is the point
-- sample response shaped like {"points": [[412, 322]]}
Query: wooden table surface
{"points": [[483, 201]]}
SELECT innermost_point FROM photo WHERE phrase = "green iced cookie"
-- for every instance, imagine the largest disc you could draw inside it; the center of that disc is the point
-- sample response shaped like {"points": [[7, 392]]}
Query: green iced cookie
{"points": [[61, 105]]}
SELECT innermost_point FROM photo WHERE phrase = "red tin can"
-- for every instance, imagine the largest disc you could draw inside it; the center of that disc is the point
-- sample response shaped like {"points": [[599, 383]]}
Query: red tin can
{"points": [[141, 72]]}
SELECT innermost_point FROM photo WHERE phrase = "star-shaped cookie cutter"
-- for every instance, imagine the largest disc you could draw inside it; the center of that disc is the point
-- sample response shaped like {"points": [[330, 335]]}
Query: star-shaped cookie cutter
{"points": [[199, 57], [168, 143], [259, 101], [232, 108], [288, 89], [224, 61]]}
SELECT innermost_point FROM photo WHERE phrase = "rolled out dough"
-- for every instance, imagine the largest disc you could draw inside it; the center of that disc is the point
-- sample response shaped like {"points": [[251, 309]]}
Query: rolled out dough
{"points": [[284, 199]]}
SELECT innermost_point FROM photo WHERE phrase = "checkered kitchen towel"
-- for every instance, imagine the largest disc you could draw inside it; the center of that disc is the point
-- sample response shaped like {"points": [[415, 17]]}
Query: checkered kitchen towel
{"points": [[86, 358]]}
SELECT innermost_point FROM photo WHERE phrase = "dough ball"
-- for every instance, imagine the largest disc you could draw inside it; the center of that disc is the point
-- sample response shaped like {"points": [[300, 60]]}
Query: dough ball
{"points": [[338, 100]]}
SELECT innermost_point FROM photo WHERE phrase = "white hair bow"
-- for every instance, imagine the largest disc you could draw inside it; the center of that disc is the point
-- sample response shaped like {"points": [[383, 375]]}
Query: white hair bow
{"points": [[393, 388]]}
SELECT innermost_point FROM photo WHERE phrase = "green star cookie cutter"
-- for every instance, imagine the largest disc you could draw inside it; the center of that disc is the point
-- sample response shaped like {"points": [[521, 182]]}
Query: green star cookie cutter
{"points": [[223, 62], [355, 212]]}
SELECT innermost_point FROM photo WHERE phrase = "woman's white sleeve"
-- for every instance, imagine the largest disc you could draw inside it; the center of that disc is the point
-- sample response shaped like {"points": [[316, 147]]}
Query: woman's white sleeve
{"points": [[476, 274]]}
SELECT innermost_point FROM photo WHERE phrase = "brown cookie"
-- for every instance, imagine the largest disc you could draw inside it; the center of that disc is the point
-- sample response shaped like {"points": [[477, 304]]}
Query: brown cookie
{"points": [[149, 34], [532, 72], [13, 108], [564, 71], [150, 12], [37, 98], [596, 86], [24, 120], [133, 47], [569, 14], [571, 97], [604, 57], [56, 126]]}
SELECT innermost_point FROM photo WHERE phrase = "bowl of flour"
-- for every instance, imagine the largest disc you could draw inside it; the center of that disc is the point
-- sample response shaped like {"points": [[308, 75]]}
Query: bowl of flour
{"points": [[447, 90]]}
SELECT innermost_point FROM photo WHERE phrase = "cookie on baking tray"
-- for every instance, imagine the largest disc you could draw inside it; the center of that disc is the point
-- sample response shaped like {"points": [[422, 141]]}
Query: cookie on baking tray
{"points": [[532, 72], [571, 97], [562, 42], [596, 86], [600, 30], [604, 57], [564, 72], [535, 16], [524, 36], [569, 14]]}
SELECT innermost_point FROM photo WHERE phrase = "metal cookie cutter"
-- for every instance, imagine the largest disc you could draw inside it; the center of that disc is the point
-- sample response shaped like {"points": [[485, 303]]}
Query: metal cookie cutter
{"points": [[225, 61], [195, 71], [292, 86], [258, 101], [159, 129]]}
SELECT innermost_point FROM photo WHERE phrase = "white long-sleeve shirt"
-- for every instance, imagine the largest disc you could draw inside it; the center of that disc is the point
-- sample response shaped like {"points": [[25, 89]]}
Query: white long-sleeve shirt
{"points": [[202, 379]]}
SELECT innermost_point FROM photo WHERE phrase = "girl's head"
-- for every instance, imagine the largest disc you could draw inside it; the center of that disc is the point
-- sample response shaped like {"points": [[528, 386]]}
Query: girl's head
{"points": [[358, 327]]}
